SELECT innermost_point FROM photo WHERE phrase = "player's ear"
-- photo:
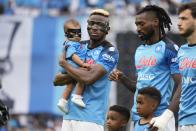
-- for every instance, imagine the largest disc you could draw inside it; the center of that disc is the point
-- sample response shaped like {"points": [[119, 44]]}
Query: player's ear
{"points": [[154, 105], [156, 21], [124, 122], [107, 29]]}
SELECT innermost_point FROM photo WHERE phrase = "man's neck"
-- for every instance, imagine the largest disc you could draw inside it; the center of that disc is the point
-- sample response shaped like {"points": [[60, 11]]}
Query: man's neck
{"points": [[120, 129], [94, 44], [146, 119], [192, 38], [154, 39]]}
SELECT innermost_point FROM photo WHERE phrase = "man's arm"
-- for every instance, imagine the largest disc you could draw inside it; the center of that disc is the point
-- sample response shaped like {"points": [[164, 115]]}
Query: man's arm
{"points": [[174, 105], [117, 75], [81, 74]]}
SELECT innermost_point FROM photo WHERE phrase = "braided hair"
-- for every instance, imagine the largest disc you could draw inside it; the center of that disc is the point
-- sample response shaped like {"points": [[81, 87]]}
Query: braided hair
{"points": [[164, 19], [4, 114]]}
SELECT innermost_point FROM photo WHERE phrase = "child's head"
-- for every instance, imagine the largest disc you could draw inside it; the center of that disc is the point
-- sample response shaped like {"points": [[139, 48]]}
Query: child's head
{"points": [[148, 99], [72, 30], [117, 117]]}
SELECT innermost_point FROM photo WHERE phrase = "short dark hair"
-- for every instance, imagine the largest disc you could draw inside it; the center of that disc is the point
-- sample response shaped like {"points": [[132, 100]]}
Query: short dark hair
{"points": [[151, 92], [160, 13], [122, 110], [191, 6]]}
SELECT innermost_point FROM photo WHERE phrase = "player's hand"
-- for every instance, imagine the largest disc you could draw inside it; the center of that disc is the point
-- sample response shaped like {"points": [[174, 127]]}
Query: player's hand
{"points": [[115, 75], [86, 65], [161, 121]]}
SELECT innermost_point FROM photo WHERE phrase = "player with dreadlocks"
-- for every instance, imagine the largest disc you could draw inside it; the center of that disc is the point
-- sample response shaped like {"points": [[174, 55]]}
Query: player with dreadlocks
{"points": [[155, 60]]}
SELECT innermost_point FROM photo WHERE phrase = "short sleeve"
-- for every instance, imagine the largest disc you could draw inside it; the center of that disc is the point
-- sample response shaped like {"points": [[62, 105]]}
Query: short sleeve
{"points": [[171, 58], [71, 48], [108, 58]]}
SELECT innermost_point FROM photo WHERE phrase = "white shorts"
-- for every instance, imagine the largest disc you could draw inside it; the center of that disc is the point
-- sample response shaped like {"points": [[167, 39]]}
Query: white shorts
{"points": [[73, 125], [187, 128], [170, 125]]}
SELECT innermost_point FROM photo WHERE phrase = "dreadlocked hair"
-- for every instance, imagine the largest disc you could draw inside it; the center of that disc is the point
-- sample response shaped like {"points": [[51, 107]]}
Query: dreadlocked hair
{"points": [[164, 19]]}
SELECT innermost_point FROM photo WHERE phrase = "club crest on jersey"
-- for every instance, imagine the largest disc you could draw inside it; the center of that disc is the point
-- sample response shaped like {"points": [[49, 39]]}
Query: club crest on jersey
{"points": [[96, 52], [146, 61], [187, 63], [108, 57], [181, 53], [158, 48]]}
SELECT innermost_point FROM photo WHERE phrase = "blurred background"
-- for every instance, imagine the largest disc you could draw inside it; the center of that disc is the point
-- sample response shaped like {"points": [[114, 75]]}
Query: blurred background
{"points": [[31, 38]]}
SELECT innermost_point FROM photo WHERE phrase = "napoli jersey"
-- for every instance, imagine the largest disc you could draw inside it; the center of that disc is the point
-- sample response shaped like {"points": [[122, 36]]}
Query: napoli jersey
{"points": [[71, 48], [141, 127], [154, 65], [75, 48], [95, 96], [187, 66]]}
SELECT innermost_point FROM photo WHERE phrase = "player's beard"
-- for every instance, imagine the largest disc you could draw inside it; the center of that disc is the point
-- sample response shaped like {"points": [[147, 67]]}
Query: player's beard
{"points": [[147, 36], [188, 32]]}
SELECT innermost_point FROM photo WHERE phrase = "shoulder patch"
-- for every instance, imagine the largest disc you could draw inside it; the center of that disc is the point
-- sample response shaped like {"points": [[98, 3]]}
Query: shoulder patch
{"points": [[111, 49], [176, 47], [108, 57]]}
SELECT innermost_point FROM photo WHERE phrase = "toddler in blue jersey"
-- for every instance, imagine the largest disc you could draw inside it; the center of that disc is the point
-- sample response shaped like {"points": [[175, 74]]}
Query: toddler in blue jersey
{"points": [[117, 118], [148, 99], [75, 55]]}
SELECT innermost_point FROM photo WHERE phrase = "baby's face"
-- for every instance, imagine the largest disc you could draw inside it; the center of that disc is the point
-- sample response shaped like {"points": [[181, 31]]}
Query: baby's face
{"points": [[73, 33]]}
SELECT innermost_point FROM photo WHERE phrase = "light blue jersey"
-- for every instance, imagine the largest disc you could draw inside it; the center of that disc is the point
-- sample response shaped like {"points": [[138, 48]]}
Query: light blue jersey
{"points": [[75, 48], [71, 48], [141, 127], [154, 65], [187, 66], [95, 96]]}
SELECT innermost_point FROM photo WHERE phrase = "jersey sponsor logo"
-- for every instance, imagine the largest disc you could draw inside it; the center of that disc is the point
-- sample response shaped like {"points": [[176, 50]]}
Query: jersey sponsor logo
{"points": [[146, 77], [188, 80], [108, 57], [144, 61], [187, 63]]}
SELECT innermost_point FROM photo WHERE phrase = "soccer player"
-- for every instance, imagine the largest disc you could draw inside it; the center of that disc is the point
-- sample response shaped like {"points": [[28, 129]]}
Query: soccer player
{"points": [[186, 95], [117, 118], [148, 99], [155, 60], [75, 55], [103, 57]]}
